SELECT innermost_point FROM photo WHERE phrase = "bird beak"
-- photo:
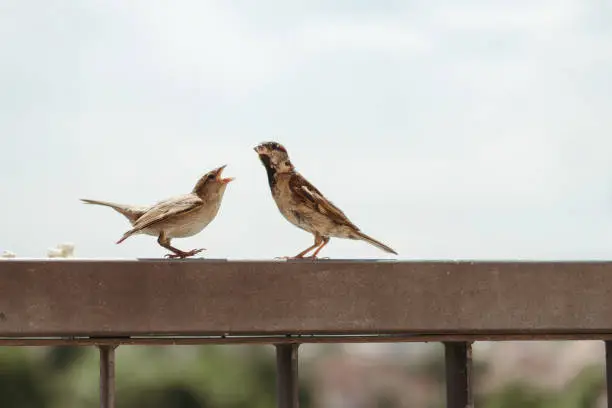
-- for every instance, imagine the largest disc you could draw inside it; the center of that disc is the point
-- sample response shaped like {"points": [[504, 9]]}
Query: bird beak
{"points": [[223, 180], [258, 149]]}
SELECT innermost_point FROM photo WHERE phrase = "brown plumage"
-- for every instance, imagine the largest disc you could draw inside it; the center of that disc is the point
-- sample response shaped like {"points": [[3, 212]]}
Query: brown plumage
{"points": [[304, 205], [131, 212], [177, 217]]}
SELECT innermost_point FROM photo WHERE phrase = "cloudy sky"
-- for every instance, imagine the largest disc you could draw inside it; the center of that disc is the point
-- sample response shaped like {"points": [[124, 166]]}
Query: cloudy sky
{"points": [[448, 130]]}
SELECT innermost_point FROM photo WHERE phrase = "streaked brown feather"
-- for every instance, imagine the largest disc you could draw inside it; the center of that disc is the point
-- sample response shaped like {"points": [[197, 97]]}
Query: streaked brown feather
{"points": [[313, 198]]}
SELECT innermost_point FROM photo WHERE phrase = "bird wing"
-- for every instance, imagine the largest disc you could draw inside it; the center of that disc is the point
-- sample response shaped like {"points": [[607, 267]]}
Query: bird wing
{"points": [[314, 199], [166, 209]]}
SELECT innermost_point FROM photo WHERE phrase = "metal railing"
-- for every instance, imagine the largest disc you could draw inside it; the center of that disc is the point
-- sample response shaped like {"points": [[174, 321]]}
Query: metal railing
{"points": [[152, 302]]}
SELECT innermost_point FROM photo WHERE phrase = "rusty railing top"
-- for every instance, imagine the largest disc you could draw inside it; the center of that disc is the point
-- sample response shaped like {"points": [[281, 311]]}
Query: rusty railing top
{"points": [[157, 301]]}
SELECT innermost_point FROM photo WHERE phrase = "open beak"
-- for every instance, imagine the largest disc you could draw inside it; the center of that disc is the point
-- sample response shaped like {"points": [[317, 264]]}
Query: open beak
{"points": [[223, 180]]}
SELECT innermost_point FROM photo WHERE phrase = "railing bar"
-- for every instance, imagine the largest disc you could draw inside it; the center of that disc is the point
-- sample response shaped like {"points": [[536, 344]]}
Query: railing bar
{"points": [[294, 339], [287, 383], [609, 372], [107, 376], [458, 360]]}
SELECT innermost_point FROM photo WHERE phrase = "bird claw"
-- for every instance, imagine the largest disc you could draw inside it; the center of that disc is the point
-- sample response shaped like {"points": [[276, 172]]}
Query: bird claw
{"points": [[182, 255], [288, 257], [300, 257]]}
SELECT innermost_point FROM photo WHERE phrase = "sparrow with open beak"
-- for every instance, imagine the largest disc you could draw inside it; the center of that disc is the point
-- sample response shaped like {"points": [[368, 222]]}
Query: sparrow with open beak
{"points": [[303, 205], [177, 217]]}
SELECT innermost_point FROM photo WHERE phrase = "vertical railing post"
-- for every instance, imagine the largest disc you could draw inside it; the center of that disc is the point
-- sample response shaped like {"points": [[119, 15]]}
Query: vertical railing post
{"points": [[458, 359], [107, 376], [609, 372], [287, 386]]}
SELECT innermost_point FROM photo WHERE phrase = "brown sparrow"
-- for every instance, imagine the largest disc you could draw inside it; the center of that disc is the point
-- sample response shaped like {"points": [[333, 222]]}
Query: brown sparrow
{"points": [[305, 206], [177, 217]]}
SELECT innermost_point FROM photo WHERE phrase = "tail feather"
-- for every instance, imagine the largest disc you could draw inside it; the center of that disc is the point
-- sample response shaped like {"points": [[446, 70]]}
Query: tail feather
{"points": [[124, 237], [130, 212], [107, 203], [378, 244]]}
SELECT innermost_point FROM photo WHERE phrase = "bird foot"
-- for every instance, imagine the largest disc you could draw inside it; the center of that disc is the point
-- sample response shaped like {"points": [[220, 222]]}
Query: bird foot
{"points": [[300, 257], [182, 255], [289, 257]]}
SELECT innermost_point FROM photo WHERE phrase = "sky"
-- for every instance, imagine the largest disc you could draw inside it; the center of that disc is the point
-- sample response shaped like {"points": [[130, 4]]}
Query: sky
{"points": [[448, 130]]}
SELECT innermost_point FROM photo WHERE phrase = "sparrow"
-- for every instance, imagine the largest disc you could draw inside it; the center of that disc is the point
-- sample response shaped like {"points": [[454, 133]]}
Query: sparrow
{"points": [[177, 217], [303, 205]]}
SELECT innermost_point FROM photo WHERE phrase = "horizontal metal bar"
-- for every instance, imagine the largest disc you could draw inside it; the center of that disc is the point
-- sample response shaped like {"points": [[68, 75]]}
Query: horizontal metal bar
{"points": [[162, 297], [295, 339]]}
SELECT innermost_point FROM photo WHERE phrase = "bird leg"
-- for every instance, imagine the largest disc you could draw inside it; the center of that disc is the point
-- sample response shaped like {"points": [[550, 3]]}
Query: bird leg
{"points": [[318, 241], [325, 242], [177, 253]]}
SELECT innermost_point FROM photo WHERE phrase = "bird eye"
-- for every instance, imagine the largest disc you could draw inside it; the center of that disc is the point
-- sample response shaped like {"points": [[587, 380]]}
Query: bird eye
{"points": [[211, 176], [278, 147]]}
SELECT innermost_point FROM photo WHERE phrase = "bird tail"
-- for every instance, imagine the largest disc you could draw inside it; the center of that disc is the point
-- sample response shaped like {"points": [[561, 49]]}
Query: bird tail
{"points": [[105, 203], [370, 240], [125, 236], [129, 212]]}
